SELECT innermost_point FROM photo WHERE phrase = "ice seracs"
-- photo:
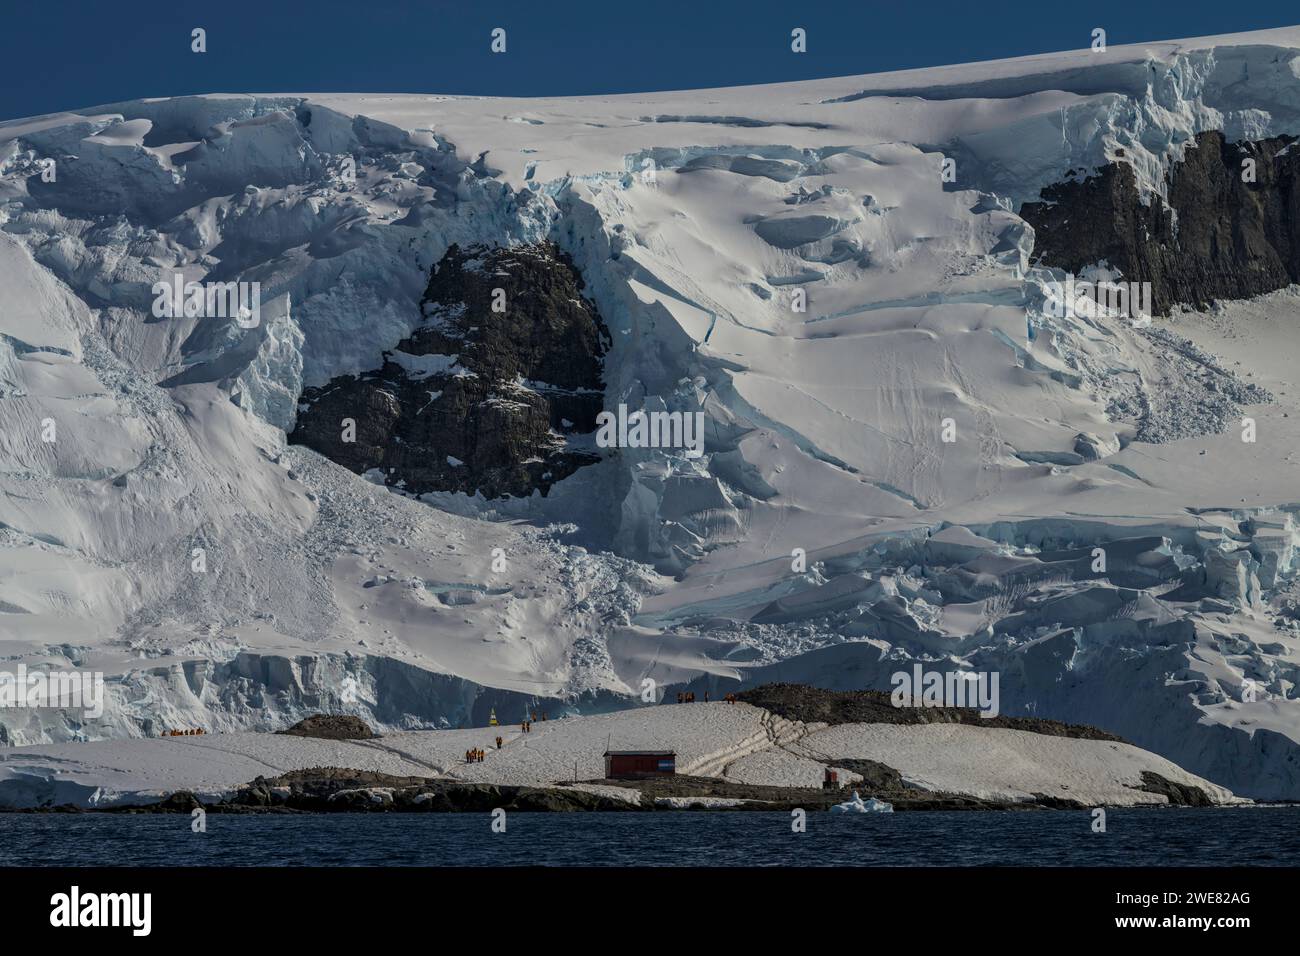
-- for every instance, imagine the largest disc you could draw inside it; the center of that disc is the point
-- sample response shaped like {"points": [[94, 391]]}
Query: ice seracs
{"points": [[906, 457]]}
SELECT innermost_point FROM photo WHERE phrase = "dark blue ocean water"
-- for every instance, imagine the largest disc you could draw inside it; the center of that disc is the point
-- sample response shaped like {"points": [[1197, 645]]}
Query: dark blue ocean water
{"points": [[1264, 836]]}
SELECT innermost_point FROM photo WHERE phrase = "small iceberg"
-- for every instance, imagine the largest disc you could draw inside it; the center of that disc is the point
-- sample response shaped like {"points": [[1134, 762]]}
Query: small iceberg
{"points": [[857, 805]]}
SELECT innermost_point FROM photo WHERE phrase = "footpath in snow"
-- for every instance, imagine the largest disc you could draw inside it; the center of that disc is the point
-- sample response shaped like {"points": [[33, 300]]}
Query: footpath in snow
{"points": [[734, 742]]}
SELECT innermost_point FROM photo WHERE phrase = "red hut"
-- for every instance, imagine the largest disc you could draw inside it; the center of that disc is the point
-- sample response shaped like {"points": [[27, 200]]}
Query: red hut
{"points": [[640, 763]]}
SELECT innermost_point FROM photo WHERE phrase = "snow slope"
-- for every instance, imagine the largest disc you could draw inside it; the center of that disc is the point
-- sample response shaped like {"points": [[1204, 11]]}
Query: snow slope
{"points": [[717, 740], [823, 426]]}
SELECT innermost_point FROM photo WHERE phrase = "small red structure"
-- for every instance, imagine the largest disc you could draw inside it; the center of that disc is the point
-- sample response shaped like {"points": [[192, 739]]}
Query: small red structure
{"points": [[832, 780], [640, 763]]}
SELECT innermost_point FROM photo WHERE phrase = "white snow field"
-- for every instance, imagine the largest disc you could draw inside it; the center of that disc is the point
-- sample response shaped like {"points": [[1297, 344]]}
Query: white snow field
{"points": [[720, 740], [166, 535]]}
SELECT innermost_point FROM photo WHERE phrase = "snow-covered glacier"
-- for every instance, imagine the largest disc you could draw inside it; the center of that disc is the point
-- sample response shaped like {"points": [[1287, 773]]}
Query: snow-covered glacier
{"points": [[909, 455]]}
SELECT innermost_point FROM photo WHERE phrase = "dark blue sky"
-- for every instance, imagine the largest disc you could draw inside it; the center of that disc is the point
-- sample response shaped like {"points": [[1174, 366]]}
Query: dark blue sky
{"points": [[63, 54]]}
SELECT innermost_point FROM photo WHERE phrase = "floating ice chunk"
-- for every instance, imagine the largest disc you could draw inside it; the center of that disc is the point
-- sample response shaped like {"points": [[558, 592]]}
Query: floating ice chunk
{"points": [[858, 805]]}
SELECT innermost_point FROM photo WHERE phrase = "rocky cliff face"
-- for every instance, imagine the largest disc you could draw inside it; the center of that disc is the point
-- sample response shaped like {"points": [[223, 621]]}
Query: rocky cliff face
{"points": [[1223, 233], [495, 391]]}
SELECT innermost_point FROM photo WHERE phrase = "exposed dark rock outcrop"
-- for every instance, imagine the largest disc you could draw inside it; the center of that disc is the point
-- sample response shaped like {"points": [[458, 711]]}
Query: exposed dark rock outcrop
{"points": [[876, 777], [1218, 237], [879, 780], [813, 704], [476, 399], [1179, 795], [342, 790], [182, 801], [331, 727]]}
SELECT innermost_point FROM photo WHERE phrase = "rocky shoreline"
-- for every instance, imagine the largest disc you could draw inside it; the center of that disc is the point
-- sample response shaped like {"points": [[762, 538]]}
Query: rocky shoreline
{"points": [[340, 790], [772, 749]]}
